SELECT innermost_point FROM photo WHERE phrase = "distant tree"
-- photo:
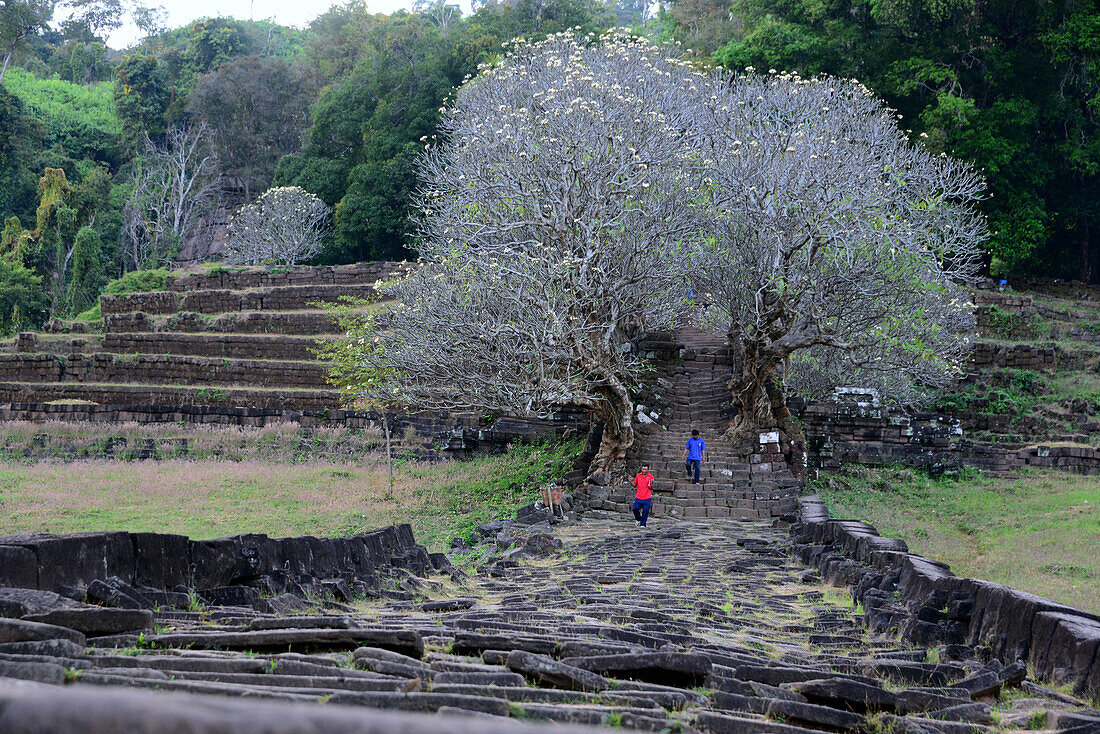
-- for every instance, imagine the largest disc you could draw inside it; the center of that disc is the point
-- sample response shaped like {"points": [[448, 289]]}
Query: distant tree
{"points": [[285, 226], [151, 20], [550, 216], [22, 302], [175, 185], [953, 69], [703, 26], [357, 366], [20, 19], [213, 41], [836, 250], [142, 97], [92, 20], [256, 109], [361, 150]]}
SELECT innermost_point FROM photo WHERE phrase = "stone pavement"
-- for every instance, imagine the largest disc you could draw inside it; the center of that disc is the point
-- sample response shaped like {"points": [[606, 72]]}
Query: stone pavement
{"points": [[685, 626]]}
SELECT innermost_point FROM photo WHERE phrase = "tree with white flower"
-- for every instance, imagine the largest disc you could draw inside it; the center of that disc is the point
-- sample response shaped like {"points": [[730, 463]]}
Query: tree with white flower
{"points": [[835, 249], [552, 209], [285, 226]]}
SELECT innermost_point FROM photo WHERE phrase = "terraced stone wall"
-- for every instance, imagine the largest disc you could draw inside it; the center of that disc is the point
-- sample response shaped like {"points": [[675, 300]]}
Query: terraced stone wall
{"points": [[839, 433], [927, 604], [82, 563], [240, 279], [984, 355], [222, 301], [165, 369]]}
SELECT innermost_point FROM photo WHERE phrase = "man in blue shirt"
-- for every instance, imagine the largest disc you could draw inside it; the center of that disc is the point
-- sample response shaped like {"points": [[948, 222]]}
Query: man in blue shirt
{"points": [[694, 454]]}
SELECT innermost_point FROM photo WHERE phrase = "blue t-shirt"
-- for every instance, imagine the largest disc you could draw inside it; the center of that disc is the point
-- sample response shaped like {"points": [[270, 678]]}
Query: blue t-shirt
{"points": [[695, 448]]}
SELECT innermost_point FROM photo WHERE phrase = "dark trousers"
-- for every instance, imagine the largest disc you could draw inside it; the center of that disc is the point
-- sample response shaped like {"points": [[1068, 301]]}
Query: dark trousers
{"points": [[641, 510], [692, 465]]}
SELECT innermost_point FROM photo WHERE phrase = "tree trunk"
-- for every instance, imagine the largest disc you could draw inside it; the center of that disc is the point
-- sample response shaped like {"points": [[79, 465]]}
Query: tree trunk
{"points": [[1087, 273], [7, 60], [389, 452], [616, 410], [757, 391]]}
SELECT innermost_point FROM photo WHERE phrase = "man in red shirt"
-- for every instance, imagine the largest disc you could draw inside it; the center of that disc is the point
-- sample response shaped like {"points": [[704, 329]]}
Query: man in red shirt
{"points": [[643, 497]]}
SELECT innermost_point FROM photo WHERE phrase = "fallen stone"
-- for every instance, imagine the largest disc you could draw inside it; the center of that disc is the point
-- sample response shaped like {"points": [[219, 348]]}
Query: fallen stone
{"points": [[407, 642], [662, 667], [982, 684], [19, 630], [915, 701], [42, 672], [814, 716], [976, 713], [300, 622], [94, 622], [723, 724], [475, 678], [547, 671], [839, 692], [50, 648]]}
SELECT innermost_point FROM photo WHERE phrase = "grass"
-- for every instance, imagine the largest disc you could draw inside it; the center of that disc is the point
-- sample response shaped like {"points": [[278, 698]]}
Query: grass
{"points": [[1037, 531], [205, 499]]}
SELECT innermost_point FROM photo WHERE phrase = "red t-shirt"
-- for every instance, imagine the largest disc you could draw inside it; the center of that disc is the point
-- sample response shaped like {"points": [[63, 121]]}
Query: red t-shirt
{"points": [[643, 482]]}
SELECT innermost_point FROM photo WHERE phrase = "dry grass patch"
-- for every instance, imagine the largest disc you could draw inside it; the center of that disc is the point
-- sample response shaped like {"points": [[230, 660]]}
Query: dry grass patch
{"points": [[205, 499]]}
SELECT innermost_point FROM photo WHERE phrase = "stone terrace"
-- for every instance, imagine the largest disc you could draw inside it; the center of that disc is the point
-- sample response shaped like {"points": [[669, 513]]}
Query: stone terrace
{"points": [[210, 348], [688, 626]]}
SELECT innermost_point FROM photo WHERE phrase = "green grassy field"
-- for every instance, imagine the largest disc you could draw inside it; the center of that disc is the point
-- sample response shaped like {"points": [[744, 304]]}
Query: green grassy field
{"points": [[205, 499], [1037, 531]]}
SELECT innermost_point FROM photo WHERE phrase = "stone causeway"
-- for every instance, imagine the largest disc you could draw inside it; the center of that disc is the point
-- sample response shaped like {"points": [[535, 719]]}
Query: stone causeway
{"points": [[708, 625]]}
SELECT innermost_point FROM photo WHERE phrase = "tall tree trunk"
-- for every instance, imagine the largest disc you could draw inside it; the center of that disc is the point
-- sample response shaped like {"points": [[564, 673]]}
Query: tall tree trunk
{"points": [[1087, 273], [616, 410], [7, 60]]}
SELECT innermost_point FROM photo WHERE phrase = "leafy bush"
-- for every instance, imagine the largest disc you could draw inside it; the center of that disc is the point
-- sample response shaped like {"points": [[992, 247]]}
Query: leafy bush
{"points": [[137, 281]]}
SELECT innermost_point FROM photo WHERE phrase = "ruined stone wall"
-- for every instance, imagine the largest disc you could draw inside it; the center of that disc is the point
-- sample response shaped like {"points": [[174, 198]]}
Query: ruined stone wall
{"points": [[839, 433], [984, 355], [71, 564], [242, 278], [925, 603], [222, 301], [241, 346], [256, 322]]}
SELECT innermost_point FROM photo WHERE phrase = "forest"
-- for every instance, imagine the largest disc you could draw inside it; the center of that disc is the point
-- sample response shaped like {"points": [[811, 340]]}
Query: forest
{"points": [[111, 161]]}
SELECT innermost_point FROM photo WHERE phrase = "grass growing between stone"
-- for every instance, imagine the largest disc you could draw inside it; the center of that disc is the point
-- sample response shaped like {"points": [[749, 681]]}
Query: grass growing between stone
{"points": [[206, 499], [1037, 531]]}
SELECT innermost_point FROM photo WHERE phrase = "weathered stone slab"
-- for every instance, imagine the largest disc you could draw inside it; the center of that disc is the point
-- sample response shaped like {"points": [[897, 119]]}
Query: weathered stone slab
{"points": [[93, 621], [840, 692], [41, 672], [716, 723], [406, 642], [544, 670], [18, 630], [663, 667]]}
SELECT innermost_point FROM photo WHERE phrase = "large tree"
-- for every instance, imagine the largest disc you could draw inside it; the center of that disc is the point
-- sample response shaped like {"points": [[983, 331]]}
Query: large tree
{"points": [[20, 19], [835, 249], [551, 213], [256, 108], [1012, 86]]}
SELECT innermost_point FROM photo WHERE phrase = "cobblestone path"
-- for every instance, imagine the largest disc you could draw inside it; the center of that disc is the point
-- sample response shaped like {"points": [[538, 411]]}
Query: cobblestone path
{"points": [[685, 626]]}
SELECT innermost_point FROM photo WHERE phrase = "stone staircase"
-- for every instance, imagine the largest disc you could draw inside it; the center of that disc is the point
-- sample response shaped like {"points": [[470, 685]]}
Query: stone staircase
{"points": [[730, 487]]}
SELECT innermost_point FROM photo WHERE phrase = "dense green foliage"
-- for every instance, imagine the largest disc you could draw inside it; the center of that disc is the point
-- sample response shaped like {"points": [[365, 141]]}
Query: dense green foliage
{"points": [[340, 107], [1014, 87]]}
